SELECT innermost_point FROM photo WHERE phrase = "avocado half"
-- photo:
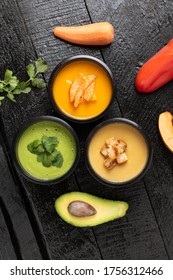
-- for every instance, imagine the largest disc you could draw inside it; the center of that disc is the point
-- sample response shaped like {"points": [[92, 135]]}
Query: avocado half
{"points": [[106, 210]]}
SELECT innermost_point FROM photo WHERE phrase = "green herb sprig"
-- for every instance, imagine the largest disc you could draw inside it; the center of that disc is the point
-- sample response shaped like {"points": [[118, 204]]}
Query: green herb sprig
{"points": [[11, 85], [46, 152]]}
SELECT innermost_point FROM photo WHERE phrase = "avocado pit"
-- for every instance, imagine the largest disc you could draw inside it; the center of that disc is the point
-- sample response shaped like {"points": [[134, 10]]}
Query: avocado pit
{"points": [[79, 208]]}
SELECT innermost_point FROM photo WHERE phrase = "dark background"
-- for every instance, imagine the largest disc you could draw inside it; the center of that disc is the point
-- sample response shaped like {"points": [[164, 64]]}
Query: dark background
{"points": [[29, 225]]}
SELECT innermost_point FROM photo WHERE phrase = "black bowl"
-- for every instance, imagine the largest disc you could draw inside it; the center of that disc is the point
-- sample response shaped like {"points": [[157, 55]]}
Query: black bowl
{"points": [[64, 63], [63, 126], [117, 183]]}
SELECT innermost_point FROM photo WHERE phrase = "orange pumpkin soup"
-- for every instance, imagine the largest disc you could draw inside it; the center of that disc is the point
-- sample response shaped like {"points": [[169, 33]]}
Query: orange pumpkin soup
{"points": [[85, 108]]}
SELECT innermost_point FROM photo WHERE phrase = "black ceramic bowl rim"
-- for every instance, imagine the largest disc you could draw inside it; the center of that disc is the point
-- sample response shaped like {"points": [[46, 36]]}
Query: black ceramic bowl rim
{"points": [[59, 67], [132, 180], [17, 138]]}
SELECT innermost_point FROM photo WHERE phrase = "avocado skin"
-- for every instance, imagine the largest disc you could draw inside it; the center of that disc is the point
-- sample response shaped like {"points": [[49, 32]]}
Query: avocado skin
{"points": [[107, 210]]}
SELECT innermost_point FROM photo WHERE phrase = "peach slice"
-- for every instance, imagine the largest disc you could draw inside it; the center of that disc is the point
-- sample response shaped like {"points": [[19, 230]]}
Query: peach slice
{"points": [[166, 129]]}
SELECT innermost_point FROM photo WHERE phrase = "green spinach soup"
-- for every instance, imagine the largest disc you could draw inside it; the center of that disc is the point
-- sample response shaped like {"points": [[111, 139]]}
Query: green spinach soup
{"points": [[66, 147]]}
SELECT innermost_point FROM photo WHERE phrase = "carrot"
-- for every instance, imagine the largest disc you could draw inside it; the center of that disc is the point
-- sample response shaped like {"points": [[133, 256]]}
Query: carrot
{"points": [[101, 33]]}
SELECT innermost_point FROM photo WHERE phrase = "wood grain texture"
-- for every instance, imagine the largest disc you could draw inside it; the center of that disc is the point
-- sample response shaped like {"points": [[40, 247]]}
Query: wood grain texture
{"points": [[141, 29], [51, 231], [136, 236], [106, 237], [7, 251], [27, 32], [15, 219]]}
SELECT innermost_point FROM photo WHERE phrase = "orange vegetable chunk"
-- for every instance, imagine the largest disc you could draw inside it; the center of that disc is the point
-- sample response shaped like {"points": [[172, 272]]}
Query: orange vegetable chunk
{"points": [[88, 80], [89, 92], [78, 96], [166, 129], [76, 87], [98, 34]]}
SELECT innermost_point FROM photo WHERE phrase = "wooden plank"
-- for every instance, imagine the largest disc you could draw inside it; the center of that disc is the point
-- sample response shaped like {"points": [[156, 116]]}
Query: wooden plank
{"points": [[135, 236], [126, 238], [64, 241], [141, 29], [15, 215], [7, 251]]}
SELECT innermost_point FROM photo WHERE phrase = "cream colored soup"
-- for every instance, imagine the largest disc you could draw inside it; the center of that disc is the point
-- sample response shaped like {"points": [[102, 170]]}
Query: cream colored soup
{"points": [[137, 152]]}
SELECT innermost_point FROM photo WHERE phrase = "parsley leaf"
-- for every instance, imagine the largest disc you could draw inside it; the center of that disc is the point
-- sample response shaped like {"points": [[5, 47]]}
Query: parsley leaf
{"points": [[41, 66], [8, 75], [12, 86], [11, 97], [22, 85], [49, 143], [35, 147], [1, 87], [46, 152], [19, 91], [31, 71], [13, 82], [1, 99], [46, 160], [58, 161], [38, 82]]}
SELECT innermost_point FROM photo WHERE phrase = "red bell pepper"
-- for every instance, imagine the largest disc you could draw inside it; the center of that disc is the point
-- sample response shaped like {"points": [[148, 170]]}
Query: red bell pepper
{"points": [[157, 71]]}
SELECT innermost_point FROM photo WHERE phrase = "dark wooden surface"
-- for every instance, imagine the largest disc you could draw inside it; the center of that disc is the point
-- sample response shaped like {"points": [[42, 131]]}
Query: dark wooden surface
{"points": [[29, 225]]}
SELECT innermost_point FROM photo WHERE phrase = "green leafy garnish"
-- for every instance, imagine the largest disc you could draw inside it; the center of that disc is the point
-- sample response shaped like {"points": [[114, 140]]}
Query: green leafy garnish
{"points": [[46, 152], [41, 66], [59, 160], [11, 86], [1, 99]]}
